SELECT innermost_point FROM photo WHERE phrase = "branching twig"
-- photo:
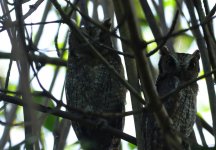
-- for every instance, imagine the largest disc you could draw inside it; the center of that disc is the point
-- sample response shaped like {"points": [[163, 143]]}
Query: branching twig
{"points": [[42, 59], [161, 44], [70, 116], [176, 33]]}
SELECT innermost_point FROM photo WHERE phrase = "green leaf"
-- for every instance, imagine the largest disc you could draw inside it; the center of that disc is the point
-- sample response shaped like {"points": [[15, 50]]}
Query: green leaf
{"points": [[169, 3], [201, 73], [204, 109], [131, 146], [183, 42], [12, 87], [65, 55], [138, 9], [50, 122], [41, 100], [60, 45]]}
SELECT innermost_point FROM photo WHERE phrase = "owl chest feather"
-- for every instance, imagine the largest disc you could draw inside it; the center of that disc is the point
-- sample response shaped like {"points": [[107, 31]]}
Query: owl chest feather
{"points": [[181, 106], [92, 86], [183, 113]]}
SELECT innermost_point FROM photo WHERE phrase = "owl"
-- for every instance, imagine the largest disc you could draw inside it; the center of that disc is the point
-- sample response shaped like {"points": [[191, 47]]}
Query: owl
{"points": [[174, 69], [91, 86]]}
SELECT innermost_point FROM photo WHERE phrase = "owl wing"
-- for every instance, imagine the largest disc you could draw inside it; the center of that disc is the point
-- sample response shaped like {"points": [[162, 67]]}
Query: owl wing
{"points": [[153, 135], [164, 85], [112, 96]]}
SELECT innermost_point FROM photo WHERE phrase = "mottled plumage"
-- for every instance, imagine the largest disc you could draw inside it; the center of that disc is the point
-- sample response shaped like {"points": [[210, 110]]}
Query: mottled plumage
{"points": [[174, 70], [91, 86]]}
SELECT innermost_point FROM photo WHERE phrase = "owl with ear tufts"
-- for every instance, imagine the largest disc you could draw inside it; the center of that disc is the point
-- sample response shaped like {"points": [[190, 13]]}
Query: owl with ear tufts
{"points": [[92, 87], [175, 69]]}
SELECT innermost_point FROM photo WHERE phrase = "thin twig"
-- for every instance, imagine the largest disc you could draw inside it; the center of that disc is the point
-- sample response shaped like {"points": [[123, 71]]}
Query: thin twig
{"points": [[174, 91], [71, 116], [161, 44], [41, 59], [193, 27]]}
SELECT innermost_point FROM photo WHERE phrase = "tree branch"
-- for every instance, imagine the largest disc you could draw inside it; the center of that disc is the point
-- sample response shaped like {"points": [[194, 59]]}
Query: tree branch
{"points": [[36, 58], [71, 116]]}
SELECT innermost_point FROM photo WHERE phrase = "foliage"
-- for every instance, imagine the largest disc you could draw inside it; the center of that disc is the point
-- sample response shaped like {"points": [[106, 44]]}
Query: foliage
{"points": [[33, 56]]}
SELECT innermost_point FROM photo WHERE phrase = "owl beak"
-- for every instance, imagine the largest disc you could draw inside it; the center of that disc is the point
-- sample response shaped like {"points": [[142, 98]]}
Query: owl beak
{"points": [[181, 70]]}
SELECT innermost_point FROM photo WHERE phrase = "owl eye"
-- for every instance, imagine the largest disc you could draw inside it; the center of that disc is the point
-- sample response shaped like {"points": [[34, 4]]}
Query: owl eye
{"points": [[171, 63], [192, 65]]}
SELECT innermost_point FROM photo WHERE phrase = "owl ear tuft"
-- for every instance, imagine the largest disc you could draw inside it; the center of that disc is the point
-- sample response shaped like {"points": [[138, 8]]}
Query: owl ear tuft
{"points": [[107, 23], [164, 51], [196, 54]]}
